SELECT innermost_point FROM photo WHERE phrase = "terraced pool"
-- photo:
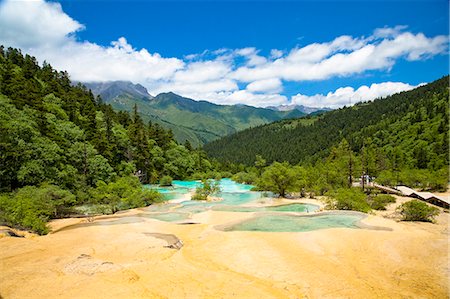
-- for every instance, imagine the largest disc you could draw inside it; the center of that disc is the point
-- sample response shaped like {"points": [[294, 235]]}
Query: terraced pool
{"points": [[297, 223], [294, 207], [239, 198]]}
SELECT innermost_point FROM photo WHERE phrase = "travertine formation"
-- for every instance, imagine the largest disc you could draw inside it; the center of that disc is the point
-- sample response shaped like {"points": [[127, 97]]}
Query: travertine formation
{"points": [[126, 256]]}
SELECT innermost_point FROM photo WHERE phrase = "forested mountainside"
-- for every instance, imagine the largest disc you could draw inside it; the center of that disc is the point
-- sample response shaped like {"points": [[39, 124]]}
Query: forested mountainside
{"points": [[60, 147], [196, 121], [409, 129]]}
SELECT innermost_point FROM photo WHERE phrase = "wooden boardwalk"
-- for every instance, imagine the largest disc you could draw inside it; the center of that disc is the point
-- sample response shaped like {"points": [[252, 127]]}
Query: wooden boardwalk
{"points": [[387, 189], [406, 191], [425, 196]]}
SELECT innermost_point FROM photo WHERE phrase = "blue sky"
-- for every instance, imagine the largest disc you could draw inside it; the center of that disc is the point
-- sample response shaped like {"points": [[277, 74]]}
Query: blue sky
{"points": [[240, 52]]}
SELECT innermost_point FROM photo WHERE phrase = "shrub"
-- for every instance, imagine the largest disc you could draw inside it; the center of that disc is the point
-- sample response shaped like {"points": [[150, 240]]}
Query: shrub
{"points": [[125, 193], [349, 199], [213, 175], [438, 180], [199, 195], [205, 175], [166, 181], [379, 202], [416, 210], [31, 207], [208, 187], [226, 174], [279, 178], [21, 213], [153, 177], [387, 178], [92, 209], [126, 168], [244, 177], [197, 176]]}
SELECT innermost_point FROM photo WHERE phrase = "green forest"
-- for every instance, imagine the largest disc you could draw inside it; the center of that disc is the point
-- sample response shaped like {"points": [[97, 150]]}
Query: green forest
{"points": [[400, 139], [62, 149]]}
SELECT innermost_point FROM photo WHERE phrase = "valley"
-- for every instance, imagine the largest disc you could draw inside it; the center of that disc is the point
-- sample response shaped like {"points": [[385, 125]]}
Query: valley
{"points": [[199, 122]]}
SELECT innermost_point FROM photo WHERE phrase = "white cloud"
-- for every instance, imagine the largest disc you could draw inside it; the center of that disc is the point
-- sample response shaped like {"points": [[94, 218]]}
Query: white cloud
{"points": [[389, 31], [316, 52], [413, 46], [202, 71], [122, 44], [348, 95], [345, 56], [275, 53], [267, 85], [252, 55], [194, 90], [90, 62], [32, 24], [258, 100], [246, 97], [43, 29]]}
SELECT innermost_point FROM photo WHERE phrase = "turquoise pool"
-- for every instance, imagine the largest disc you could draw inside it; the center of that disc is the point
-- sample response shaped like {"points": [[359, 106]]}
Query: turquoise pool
{"points": [[294, 223], [267, 219], [169, 217], [294, 207], [232, 193], [170, 193], [164, 207], [230, 186], [194, 208], [186, 184]]}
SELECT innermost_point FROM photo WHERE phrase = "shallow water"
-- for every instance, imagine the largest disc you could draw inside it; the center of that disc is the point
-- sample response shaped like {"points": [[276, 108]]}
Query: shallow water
{"points": [[293, 223], [238, 198], [194, 207], [169, 217], [170, 193], [294, 207], [186, 184], [173, 195], [234, 195], [163, 207], [230, 186]]}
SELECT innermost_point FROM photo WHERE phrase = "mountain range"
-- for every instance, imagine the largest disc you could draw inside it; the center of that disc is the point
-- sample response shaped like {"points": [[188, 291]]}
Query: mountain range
{"points": [[304, 109], [199, 122]]}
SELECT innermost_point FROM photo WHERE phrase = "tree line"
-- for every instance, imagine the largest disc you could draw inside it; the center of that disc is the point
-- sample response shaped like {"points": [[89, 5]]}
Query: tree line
{"points": [[335, 177]]}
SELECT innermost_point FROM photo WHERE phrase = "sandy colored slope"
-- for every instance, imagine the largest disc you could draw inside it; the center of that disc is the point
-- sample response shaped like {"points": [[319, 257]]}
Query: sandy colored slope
{"points": [[116, 257]]}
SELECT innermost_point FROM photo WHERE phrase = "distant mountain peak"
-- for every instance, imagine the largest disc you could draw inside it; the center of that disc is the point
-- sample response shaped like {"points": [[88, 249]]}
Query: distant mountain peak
{"points": [[171, 93], [113, 89], [304, 109], [172, 97]]}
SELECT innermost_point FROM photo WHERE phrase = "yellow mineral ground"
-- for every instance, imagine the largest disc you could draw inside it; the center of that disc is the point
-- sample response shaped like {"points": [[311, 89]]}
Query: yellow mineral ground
{"points": [[127, 256]]}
